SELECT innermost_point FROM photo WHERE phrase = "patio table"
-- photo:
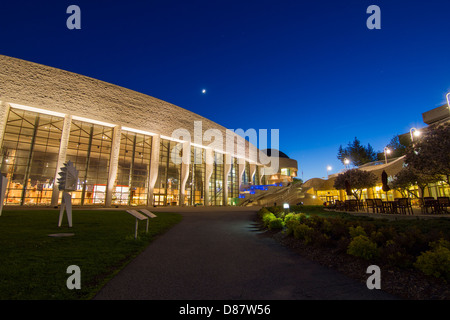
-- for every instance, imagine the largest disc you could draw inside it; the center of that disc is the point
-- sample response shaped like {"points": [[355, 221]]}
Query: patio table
{"points": [[390, 206]]}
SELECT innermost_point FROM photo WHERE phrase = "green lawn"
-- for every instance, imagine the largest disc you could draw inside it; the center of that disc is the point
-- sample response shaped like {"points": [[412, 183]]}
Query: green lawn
{"points": [[33, 265]]}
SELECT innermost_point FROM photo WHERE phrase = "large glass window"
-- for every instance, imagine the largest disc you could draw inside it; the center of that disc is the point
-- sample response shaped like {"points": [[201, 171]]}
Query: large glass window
{"points": [[133, 170], [29, 156], [195, 184], [89, 149], [233, 183], [216, 182], [257, 176], [167, 186], [246, 176]]}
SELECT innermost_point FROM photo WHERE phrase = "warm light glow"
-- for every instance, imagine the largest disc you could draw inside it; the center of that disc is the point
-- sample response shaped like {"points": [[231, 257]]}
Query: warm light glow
{"points": [[416, 133], [388, 151], [448, 100], [101, 123], [346, 161], [37, 110], [139, 131]]}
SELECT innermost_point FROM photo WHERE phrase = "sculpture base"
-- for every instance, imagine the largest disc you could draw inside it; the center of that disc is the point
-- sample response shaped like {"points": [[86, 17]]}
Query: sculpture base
{"points": [[56, 235]]}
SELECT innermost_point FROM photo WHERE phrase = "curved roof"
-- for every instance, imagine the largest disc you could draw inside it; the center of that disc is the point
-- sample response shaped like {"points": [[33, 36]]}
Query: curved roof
{"points": [[280, 154], [39, 86]]}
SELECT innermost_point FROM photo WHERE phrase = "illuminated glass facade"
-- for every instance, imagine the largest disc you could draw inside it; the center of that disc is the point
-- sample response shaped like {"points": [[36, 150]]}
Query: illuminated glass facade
{"points": [[233, 183], [216, 183], [167, 188], [110, 166], [89, 149], [195, 183], [131, 187], [29, 156]]}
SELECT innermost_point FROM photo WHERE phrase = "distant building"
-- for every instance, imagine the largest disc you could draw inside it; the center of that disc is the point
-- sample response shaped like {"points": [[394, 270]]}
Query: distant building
{"points": [[323, 189], [287, 168], [120, 141]]}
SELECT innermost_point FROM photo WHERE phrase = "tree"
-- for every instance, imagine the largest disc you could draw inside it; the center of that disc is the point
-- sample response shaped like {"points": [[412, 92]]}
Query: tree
{"points": [[397, 146], [357, 179], [357, 153], [430, 155], [409, 177]]}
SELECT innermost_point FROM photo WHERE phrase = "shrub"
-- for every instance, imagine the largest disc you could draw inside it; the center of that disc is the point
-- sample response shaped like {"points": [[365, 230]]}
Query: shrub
{"points": [[302, 232], [276, 223], [356, 231], [277, 211], [436, 262], [361, 246], [291, 220], [396, 255], [338, 229], [318, 239], [383, 234], [267, 218], [262, 212], [288, 217]]}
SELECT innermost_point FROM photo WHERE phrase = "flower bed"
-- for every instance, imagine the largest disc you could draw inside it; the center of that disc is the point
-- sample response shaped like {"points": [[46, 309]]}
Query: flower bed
{"points": [[415, 248]]}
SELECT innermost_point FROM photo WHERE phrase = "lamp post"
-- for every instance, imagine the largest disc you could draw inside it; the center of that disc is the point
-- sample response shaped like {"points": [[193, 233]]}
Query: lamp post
{"points": [[413, 132], [448, 101], [386, 151], [328, 169], [346, 162]]}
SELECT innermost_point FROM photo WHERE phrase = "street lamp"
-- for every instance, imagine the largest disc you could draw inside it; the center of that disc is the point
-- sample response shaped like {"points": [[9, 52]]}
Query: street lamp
{"points": [[346, 162], [328, 169], [448, 101], [386, 151], [413, 132]]}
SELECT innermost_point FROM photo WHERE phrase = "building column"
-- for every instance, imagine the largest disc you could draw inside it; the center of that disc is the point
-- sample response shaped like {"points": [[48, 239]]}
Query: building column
{"points": [[261, 175], [185, 161], [342, 195], [4, 112], [241, 170], [209, 168], [61, 157], [113, 165], [252, 172], [370, 194], [226, 172], [154, 168]]}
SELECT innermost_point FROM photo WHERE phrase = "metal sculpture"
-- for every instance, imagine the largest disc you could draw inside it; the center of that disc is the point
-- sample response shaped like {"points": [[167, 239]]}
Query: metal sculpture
{"points": [[67, 182]]}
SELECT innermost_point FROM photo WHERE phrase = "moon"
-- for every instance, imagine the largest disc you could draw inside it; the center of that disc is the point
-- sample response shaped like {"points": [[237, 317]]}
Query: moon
{"points": [[204, 91]]}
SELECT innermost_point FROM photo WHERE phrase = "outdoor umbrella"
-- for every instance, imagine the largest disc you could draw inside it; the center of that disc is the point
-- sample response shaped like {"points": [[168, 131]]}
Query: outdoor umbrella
{"points": [[384, 180]]}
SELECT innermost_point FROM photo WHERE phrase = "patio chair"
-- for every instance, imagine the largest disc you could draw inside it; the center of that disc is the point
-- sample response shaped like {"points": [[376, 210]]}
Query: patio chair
{"points": [[404, 204], [379, 206], [370, 203], [428, 203], [339, 205], [444, 203], [351, 205]]}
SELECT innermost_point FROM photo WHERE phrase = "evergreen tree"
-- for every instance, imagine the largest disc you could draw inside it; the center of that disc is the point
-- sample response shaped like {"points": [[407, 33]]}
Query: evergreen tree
{"points": [[357, 153]]}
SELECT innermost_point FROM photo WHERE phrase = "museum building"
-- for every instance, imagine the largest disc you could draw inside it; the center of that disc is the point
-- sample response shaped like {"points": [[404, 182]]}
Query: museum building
{"points": [[121, 142]]}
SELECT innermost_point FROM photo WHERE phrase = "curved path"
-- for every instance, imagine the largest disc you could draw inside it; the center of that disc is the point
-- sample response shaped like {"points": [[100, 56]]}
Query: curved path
{"points": [[219, 254]]}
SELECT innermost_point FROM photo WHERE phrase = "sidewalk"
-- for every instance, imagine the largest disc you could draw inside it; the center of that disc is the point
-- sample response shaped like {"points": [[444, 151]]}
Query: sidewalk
{"points": [[218, 253]]}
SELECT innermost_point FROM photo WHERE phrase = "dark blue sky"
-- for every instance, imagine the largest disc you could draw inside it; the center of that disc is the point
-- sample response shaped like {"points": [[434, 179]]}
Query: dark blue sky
{"points": [[311, 69]]}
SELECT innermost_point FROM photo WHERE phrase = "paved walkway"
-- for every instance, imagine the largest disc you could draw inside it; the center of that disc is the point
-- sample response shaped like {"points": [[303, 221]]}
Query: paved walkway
{"points": [[219, 254]]}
